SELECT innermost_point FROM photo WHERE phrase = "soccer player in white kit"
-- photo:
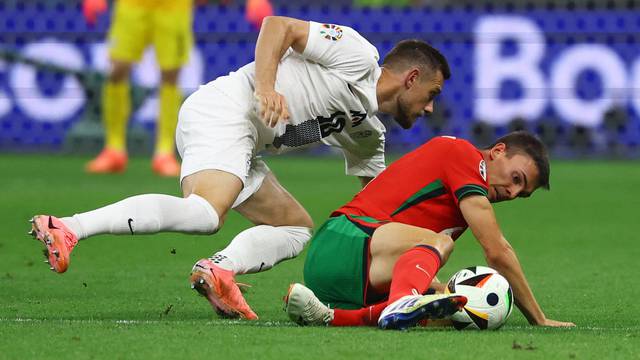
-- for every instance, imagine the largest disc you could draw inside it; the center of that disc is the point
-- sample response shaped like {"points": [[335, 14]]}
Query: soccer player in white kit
{"points": [[311, 83]]}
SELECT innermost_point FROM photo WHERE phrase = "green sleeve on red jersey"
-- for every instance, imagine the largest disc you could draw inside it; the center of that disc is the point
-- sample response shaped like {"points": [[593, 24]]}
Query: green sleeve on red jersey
{"points": [[471, 189], [430, 191], [465, 172]]}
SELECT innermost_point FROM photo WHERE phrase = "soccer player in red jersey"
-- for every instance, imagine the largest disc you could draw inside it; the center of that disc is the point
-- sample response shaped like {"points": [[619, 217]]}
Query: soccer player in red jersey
{"points": [[373, 260]]}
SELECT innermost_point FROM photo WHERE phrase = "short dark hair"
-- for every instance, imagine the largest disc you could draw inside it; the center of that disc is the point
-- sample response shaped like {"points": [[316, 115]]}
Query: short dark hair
{"points": [[416, 52], [524, 142]]}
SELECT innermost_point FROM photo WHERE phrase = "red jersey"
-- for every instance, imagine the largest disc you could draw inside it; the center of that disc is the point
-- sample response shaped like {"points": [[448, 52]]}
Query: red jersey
{"points": [[423, 188]]}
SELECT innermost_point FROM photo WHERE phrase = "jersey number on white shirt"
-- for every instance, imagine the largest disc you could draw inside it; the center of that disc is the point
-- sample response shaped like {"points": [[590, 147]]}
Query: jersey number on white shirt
{"points": [[314, 130]]}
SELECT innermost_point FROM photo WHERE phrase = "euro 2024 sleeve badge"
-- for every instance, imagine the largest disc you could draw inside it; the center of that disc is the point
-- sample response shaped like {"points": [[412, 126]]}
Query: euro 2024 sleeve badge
{"points": [[483, 170], [331, 32]]}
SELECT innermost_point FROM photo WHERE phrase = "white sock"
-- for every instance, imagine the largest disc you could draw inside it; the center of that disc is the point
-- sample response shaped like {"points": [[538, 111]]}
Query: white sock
{"points": [[147, 214], [261, 247]]}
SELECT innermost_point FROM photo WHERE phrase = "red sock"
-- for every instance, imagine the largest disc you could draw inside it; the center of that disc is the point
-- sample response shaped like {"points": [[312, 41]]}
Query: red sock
{"points": [[415, 269], [367, 316]]}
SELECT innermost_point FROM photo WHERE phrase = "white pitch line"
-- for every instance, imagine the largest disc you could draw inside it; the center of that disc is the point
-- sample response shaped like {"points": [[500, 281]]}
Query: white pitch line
{"points": [[271, 324], [577, 328]]}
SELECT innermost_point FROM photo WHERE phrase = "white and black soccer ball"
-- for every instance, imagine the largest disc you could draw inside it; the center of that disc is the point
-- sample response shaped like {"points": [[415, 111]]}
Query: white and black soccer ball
{"points": [[489, 298]]}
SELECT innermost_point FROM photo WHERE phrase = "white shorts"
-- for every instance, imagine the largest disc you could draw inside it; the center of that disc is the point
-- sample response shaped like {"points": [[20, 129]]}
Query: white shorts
{"points": [[214, 133]]}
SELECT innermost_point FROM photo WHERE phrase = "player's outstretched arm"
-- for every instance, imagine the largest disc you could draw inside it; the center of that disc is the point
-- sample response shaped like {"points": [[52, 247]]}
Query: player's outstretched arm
{"points": [[499, 254], [277, 34]]}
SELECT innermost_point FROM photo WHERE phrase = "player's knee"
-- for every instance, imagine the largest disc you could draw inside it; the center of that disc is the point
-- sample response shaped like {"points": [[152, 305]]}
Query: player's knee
{"points": [[299, 236], [442, 243], [291, 216], [169, 76], [217, 188], [221, 220], [303, 219], [119, 72], [220, 211]]}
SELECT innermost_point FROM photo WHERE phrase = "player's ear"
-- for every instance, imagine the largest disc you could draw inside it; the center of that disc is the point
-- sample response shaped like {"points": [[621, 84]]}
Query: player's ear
{"points": [[498, 150], [412, 77]]}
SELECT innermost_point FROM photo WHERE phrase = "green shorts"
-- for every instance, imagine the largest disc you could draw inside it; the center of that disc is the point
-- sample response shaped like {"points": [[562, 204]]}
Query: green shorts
{"points": [[337, 264]]}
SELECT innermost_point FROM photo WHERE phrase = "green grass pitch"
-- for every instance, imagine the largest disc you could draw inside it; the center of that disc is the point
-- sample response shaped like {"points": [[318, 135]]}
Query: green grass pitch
{"points": [[129, 297]]}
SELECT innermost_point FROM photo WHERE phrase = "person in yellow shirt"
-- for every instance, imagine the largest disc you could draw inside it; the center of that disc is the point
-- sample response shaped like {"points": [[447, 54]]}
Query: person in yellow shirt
{"points": [[136, 24], [167, 25]]}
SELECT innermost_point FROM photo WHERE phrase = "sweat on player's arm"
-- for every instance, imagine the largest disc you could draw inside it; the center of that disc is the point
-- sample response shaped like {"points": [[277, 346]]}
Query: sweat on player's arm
{"points": [[393, 239]]}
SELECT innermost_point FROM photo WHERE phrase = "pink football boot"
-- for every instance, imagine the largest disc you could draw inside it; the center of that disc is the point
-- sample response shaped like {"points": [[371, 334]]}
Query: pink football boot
{"points": [[221, 290], [58, 239]]}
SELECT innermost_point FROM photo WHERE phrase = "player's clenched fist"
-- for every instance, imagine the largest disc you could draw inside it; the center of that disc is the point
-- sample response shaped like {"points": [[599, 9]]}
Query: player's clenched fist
{"points": [[272, 107]]}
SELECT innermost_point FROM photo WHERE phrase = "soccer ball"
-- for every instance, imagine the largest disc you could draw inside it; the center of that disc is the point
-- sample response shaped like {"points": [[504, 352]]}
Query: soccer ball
{"points": [[489, 298]]}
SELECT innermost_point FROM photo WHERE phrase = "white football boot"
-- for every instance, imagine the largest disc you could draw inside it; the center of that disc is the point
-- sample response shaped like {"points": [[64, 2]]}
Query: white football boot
{"points": [[304, 308]]}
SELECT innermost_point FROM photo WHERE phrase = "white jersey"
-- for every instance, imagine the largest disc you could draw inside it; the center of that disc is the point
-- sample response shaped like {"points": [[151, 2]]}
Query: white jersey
{"points": [[330, 90]]}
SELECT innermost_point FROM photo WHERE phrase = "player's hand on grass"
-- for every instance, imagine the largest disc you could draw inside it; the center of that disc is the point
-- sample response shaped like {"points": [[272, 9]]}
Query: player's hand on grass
{"points": [[272, 107], [555, 323]]}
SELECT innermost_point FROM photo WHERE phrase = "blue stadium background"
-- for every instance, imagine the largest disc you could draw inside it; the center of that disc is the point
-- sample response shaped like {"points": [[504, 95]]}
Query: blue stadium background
{"points": [[570, 74]]}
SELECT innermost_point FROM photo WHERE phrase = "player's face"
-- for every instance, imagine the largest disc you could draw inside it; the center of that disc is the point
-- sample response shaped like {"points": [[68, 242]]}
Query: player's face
{"points": [[510, 176], [418, 98]]}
